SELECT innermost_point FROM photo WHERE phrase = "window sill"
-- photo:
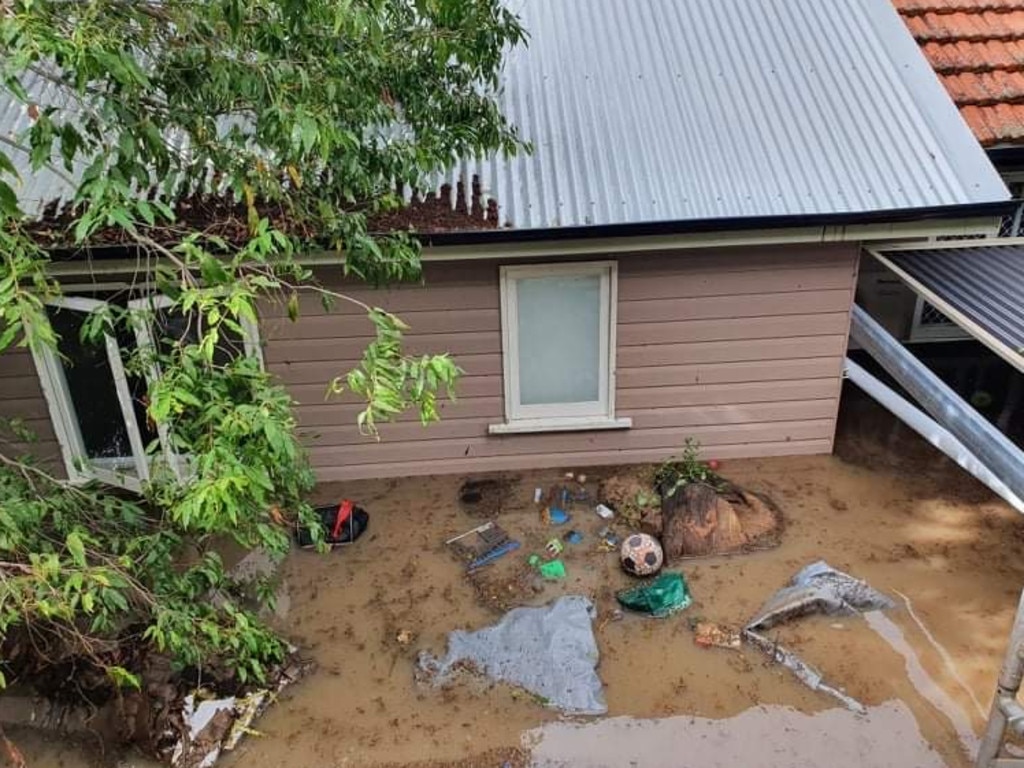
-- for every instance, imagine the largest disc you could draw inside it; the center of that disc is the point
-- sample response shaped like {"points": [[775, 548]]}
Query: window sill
{"points": [[586, 424]]}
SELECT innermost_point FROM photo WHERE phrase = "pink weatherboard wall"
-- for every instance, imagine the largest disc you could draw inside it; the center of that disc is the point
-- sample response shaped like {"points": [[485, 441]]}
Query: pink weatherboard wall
{"points": [[740, 348], [21, 397]]}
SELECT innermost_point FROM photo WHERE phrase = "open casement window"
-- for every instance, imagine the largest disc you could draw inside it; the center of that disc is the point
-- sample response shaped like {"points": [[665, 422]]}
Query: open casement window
{"points": [[98, 408], [158, 324], [558, 343]]}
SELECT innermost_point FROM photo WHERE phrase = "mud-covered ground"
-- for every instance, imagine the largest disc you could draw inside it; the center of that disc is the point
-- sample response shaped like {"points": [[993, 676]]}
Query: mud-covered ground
{"points": [[884, 508]]}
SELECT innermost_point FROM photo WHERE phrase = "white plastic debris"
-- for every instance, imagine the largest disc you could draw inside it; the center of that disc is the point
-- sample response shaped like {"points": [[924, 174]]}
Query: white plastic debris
{"points": [[217, 725], [200, 718]]}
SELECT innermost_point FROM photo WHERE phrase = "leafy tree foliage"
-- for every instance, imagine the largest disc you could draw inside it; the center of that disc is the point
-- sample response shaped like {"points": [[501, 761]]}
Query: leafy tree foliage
{"points": [[288, 122]]}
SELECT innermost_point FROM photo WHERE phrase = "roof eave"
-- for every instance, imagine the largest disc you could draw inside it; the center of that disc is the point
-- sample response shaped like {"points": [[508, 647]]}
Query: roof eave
{"points": [[705, 226]]}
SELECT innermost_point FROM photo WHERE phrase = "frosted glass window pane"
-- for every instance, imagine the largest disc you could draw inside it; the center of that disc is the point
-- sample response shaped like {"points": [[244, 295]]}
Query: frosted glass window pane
{"points": [[559, 339]]}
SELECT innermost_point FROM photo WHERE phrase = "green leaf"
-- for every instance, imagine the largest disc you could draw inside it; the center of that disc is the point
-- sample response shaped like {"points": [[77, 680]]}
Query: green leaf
{"points": [[146, 211], [122, 678], [76, 548], [6, 165], [8, 200]]}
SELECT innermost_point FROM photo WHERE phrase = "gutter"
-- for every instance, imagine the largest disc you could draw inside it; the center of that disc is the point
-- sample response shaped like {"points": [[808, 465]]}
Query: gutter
{"points": [[728, 224], [736, 224]]}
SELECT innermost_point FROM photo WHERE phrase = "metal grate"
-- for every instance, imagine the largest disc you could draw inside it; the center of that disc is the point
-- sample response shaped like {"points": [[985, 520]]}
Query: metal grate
{"points": [[1013, 224], [931, 315], [931, 324]]}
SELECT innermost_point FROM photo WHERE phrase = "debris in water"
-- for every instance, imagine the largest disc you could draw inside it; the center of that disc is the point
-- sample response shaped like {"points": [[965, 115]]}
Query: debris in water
{"points": [[553, 570], [708, 634], [341, 524], [817, 588], [659, 598], [609, 541], [217, 725], [641, 555], [556, 516], [549, 651], [493, 555], [405, 637]]}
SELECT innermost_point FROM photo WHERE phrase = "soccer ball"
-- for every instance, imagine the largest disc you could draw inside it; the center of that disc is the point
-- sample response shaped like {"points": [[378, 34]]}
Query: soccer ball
{"points": [[641, 555]]}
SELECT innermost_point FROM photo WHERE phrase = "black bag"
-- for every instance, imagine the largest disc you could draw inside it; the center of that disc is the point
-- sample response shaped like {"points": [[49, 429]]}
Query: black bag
{"points": [[342, 524]]}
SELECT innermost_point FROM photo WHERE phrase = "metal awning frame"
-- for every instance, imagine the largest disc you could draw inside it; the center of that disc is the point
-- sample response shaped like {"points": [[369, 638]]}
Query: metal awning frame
{"points": [[1006, 352]]}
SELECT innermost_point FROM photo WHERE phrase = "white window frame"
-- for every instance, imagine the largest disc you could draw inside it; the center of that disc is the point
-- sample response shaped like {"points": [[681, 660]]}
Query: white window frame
{"points": [[79, 467], [922, 332], [141, 311], [554, 417]]}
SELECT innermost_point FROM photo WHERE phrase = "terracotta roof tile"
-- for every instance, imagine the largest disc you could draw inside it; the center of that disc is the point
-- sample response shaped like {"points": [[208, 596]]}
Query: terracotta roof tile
{"points": [[914, 7], [999, 124], [985, 25], [986, 88], [977, 48], [953, 58]]}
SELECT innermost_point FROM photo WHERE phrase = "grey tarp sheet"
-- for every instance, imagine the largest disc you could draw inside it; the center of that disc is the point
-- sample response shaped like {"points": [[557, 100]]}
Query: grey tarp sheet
{"points": [[816, 588], [549, 651]]}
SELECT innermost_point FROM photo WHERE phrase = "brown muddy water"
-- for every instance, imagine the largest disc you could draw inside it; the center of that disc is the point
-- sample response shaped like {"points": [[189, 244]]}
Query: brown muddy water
{"points": [[885, 509]]}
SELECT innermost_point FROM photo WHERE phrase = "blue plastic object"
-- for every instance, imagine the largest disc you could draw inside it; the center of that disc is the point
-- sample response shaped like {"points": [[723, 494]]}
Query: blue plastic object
{"points": [[500, 551], [558, 516]]}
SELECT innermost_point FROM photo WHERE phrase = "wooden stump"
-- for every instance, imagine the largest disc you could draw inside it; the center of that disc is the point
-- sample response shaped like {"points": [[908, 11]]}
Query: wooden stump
{"points": [[699, 521]]}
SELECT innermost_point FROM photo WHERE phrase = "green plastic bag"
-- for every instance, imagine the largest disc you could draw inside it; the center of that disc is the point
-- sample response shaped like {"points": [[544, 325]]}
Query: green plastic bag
{"points": [[662, 597], [553, 571]]}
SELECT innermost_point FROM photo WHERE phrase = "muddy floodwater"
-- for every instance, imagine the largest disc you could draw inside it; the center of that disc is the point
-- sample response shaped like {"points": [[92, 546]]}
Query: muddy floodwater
{"points": [[885, 509]]}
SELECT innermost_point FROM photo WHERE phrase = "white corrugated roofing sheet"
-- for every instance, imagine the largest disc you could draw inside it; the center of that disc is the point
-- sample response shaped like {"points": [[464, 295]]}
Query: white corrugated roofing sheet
{"points": [[682, 110]]}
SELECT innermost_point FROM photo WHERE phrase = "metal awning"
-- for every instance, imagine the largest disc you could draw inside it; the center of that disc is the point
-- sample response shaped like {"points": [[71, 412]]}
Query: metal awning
{"points": [[978, 287]]}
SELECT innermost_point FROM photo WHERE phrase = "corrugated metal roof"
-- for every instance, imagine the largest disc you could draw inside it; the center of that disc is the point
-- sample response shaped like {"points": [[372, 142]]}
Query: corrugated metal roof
{"points": [[50, 182], [981, 288], [687, 109], [684, 110]]}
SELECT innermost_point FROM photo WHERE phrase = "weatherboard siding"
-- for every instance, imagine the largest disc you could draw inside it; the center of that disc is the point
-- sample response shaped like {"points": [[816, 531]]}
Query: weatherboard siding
{"points": [[739, 348], [21, 397]]}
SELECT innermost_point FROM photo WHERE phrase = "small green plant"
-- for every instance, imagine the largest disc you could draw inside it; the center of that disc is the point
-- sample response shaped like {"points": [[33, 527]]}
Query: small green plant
{"points": [[684, 469]]}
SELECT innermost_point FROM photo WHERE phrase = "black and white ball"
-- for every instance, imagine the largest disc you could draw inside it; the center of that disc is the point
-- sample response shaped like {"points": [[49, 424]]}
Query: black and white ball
{"points": [[641, 555]]}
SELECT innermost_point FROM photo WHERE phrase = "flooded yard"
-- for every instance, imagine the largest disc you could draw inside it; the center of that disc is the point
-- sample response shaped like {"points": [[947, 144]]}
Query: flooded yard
{"points": [[884, 509]]}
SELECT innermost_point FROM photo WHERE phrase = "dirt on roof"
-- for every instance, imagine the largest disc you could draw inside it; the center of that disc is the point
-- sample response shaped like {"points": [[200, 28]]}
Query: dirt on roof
{"points": [[226, 218], [977, 49]]}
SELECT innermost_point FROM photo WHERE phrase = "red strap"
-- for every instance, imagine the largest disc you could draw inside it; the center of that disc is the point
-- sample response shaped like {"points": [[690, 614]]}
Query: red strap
{"points": [[343, 514]]}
